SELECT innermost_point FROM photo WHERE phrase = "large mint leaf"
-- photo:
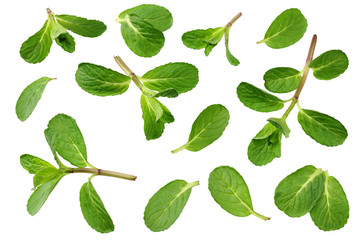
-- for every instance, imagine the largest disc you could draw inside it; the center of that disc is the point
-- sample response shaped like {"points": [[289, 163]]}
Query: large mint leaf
{"points": [[282, 79], [81, 26]]}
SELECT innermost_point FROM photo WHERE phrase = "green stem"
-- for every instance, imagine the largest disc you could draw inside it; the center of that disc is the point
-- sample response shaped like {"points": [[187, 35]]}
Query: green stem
{"points": [[128, 72], [259, 215], [179, 149], [306, 69], [96, 171]]}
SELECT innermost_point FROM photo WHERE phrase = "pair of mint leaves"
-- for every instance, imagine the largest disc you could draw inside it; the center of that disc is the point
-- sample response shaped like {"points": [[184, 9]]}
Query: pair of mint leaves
{"points": [[287, 29]]}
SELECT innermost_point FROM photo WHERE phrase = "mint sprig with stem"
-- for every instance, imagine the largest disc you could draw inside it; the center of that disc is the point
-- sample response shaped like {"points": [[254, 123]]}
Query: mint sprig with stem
{"points": [[167, 80], [65, 139], [324, 129]]}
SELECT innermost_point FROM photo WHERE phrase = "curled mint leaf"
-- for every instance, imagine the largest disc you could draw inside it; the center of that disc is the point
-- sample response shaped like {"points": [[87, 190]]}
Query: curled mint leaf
{"points": [[66, 41], [281, 124], [282, 79]]}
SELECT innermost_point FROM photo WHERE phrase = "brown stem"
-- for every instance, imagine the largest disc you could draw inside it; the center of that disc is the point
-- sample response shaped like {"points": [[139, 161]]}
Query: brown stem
{"points": [[237, 16]]}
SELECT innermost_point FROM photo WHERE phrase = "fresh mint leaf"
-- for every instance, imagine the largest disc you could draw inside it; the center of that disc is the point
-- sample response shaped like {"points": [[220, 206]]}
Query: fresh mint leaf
{"points": [[179, 76], [29, 98], [288, 28], [45, 175], [298, 193], [281, 124], [66, 42], [56, 29], [36, 48], [166, 205], [198, 39], [232, 60], [159, 17], [329, 65], [94, 210], [282, 79], [257, 99], [34, 164], [170, 93], [81, 26], [230, 191], [207, 128], [331, 211], [101, 81], [68, 140], [324, 129]]}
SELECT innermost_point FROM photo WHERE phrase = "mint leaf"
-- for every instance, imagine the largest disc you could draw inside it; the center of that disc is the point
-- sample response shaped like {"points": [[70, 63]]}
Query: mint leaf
{"points": [[329, 65], [281, 124], [66, 42], [56, 29], [232, 60], [198, 39], [179, 76], [298, 193], [170, 93], [36, 48], [155, 116], [282, 79], [288, 28], [41, 193], [331, 211], [257, 99], [45, 175], [101, 81], [81, 26], [34, 164], [29, 98], [94, 210], [68, 140], [159, 17], [166, 205], [322, 128], [207, 128], [230, 191], [140, 36]]}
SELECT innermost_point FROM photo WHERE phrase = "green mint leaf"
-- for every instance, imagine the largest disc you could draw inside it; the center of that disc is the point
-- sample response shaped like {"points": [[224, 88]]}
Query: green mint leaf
{"points": [[170, 93], [288, 28], [33, 164], [50, 136], [81, 26], [101, 81], [232, 60], [179, 76], [280, 124], [230, 191], [29, 98], [265, 146], [298, 193], [322, 128], [155, 116], [56, 29], [166, 205], [331, 211], [68, 140], [159, 17], [209, 47], [66, 42], [140, 36], [329, 65], [282, 79], [257, 99], [94, 210], [207, 128], [45, 175], [36, 48], [41, 193]]}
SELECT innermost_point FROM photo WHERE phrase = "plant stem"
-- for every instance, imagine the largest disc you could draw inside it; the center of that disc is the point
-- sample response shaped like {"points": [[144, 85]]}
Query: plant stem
{"points": [[128, 72], [259, 215], [304, 77], [96, 171], [179, 149], [237, 16]]}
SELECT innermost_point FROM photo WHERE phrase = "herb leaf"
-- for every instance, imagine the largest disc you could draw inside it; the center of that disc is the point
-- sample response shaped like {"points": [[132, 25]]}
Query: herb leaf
{"points": [[232, 60], [331, 211], [198, 39], [45, 175], [207, 127], [29, 98], [101, 81], [66, 42], [322, 128], [281, 124], [159, 17], [288, 28], [166, 205], [282, 79], [170, 93], [81, 26], [329, 65], [257, 99], [230, 191], [298, 193], [37, 47], [34, 164], [94, 210], [179, 76], [68, 141], [155, 116]]}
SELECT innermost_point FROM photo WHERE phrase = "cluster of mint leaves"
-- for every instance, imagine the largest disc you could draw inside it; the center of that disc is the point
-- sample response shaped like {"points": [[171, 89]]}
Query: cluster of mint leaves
{"points": [[142, 28]]}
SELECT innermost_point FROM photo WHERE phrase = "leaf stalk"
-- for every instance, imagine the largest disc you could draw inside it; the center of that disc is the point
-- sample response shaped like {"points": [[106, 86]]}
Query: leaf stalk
{"points": [[96, 171]]}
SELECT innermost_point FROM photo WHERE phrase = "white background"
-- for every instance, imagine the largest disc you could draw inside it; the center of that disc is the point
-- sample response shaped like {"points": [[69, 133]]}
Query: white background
{"points": [[113, 128]]}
